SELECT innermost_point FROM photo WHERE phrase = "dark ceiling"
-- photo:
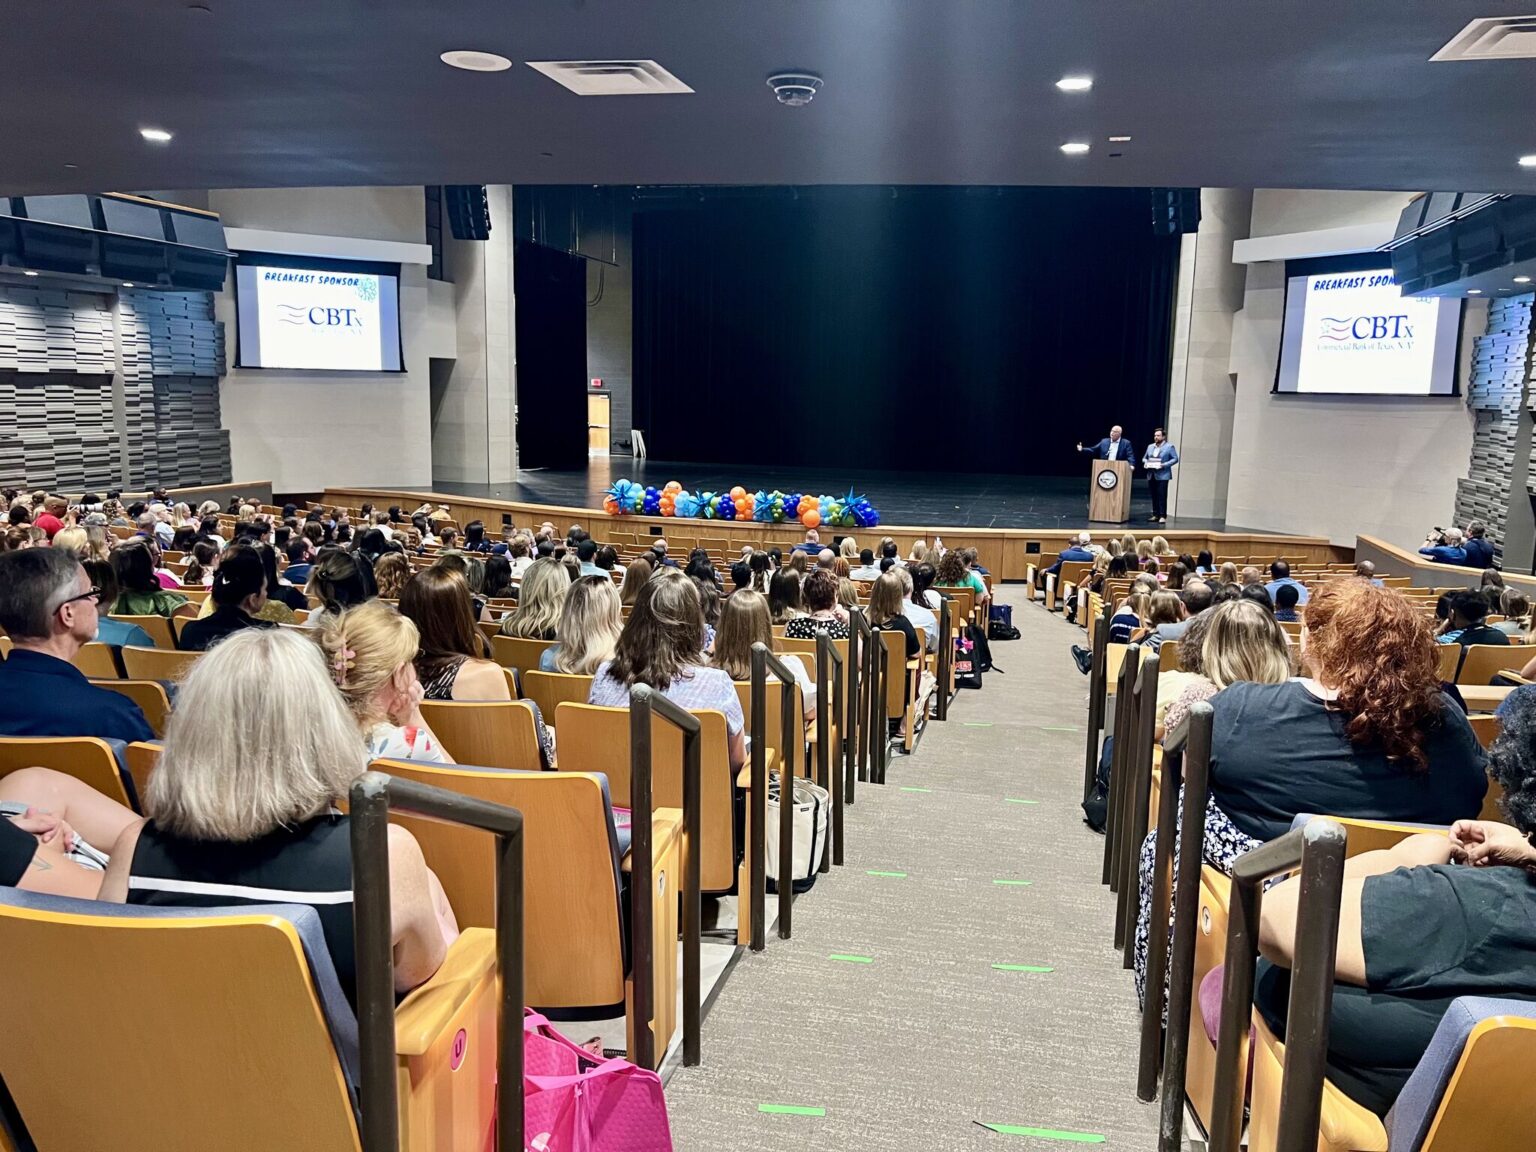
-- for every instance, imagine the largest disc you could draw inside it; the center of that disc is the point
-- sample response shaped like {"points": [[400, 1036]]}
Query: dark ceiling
{"points": [[1306, 93]]}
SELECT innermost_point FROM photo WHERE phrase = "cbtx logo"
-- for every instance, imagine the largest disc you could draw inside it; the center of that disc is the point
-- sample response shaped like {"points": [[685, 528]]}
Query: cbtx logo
{"points": [[1366, 328], [319, 316]]}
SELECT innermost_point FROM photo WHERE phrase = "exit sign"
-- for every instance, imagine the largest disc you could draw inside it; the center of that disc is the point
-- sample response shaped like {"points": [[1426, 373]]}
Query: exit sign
{"points": [[597, 382]]}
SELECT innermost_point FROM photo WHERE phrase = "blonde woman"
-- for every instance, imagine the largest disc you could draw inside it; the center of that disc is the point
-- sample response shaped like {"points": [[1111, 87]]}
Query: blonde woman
{"points": [[589, 628], [744, 621], [849, 550], [241, 806], [920, 554], [1228, 574], [71, 540], [540, 601], [1160, 547], [371, 652], [847, 593], [390, 573], [1144, 552], [1128, 544]]}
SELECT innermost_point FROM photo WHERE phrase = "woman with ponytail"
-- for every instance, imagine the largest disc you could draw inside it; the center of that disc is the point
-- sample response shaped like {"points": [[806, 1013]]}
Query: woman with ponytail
{"points": [[238, 596]]}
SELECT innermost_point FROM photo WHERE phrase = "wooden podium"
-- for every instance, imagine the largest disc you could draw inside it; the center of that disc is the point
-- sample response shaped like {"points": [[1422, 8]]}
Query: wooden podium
{"points": [[1109, 492]]}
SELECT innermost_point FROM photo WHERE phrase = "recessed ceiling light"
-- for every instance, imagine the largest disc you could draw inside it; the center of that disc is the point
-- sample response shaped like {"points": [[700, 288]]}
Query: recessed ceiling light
{"points": [[475, 61], [1075, 83], [1075, 147], [1474, 291], [1119, 139], [127, 283], [155, 135], [1528, 161], [29, 272], [1522, 279]]}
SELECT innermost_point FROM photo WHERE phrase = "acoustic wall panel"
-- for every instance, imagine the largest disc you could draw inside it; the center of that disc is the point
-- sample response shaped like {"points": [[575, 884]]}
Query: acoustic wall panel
{"points": [[1501, 364], [59, 353]]}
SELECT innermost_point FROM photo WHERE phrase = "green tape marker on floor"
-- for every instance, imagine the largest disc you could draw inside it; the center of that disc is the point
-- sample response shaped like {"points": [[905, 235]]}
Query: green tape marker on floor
{"points": [[1012, 800], [1014, 883], [1057, 728], [978, 723], [790, 1110], [907, 789], [893, 875], [848, 958], [1045, 1133], [1022, 968]]}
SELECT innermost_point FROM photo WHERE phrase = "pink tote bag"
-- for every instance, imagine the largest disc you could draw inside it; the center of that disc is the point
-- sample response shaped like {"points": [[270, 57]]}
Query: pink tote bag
{"points": [[575, 1103]]}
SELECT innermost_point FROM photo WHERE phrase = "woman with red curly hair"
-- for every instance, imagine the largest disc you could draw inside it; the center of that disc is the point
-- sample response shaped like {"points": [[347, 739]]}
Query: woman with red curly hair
{"points": [[1367, 732]]}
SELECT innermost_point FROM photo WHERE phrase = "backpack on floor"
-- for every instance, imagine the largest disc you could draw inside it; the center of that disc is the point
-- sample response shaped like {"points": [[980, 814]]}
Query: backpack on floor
{"points": [[1000, 624], [1096, 807], [967, 663], [812, 811]]}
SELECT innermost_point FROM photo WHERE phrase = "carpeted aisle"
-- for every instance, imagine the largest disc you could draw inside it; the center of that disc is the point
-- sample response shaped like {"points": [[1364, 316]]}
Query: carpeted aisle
{"points": [[909, 1049]]}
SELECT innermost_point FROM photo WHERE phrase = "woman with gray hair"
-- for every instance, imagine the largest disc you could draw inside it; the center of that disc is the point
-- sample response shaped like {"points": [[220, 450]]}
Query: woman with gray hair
{"points": [[242, 806]]}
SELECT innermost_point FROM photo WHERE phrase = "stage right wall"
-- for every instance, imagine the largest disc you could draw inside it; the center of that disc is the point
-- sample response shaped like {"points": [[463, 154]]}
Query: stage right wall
{"points": [[1335, 466]]}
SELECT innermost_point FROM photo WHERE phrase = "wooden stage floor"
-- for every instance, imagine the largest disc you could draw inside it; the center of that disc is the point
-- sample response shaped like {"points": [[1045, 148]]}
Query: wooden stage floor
{"points": [[958, 500]]}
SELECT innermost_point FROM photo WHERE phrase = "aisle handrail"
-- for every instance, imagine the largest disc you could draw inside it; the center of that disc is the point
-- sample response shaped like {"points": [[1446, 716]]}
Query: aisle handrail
{"points": [[791, 734], [829, 666]]}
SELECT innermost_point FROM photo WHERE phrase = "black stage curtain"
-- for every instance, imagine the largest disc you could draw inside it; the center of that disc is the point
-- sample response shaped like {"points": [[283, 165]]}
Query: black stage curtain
{"points": [[551, 292], [934, 329]]}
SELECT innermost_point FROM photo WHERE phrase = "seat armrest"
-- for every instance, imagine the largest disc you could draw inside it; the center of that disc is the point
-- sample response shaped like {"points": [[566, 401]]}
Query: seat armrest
{"points": [[770, 763], [666, 827], [429, 1010]]}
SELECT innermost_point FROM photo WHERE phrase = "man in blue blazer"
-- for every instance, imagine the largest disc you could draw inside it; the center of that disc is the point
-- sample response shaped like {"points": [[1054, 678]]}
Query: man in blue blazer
{"points": [[1112, 447], [1160, 459]]}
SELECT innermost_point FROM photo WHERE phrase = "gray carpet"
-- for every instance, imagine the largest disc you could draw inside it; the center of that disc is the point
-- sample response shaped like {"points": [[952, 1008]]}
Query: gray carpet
{"points": [[911, 1050]]}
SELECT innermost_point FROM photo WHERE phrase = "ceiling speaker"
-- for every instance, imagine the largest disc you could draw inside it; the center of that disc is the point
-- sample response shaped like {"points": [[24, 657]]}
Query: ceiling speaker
{"points": [[469, 215], [1175, 211]]}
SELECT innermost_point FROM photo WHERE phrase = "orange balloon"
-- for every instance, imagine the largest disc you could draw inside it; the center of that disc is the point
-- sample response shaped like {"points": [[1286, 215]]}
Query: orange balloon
{"points": [[610, 506], [810, 517], [738, 492], [673, 486]]}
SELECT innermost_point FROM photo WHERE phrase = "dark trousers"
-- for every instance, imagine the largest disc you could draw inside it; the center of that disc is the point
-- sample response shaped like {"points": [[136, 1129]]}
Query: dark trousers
{"points": [[1159, 489]]}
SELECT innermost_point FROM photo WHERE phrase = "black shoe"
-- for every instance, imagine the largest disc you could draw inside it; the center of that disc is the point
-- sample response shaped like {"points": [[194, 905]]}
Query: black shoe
{"points": [[1084, 658]]}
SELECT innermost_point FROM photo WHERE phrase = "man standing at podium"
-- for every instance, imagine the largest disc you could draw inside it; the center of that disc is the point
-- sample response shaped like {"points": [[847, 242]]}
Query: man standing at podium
{"points": [[1159, 462], [1112, 447]]}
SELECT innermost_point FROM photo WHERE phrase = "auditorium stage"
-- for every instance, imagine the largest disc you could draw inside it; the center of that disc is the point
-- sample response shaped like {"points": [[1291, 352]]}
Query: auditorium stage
{"points": [[957, 499]]}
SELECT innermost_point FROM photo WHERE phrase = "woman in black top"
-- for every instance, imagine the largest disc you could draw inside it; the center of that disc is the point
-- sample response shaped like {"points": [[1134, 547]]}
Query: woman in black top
{"points": [[239, 593], [241, 806], [886, 615], [276, 589], [1420, 924]]}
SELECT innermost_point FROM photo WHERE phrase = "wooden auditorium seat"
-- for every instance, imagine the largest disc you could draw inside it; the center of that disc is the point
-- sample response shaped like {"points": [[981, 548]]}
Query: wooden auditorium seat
{"points": [[551, 689], [97, 661], [491, 734], [519, 652], [157, 663], [86, 758], [1483, 660], [160, 629], [572, 858], [149, 695], [224, 1027]]}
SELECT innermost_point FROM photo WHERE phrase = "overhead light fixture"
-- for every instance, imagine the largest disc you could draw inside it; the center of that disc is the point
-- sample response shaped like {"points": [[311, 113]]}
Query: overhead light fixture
{"points": [[1528, 161], [797, 89], [155, 135], [127, 283], [29, 272], [1075, 147], [1075, 83], [1474, 291], [1522, 279], [475, 61], [1119, 139]]}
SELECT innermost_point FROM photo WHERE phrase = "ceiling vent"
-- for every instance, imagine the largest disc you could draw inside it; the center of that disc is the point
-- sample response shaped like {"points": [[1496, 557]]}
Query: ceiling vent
{"points": [[611, 77], [1493, 38]]}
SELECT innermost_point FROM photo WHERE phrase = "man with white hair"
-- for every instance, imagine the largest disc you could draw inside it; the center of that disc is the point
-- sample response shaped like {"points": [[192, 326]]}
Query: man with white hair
{"points": [[1076, 550], [811, 545], [825, 558]]}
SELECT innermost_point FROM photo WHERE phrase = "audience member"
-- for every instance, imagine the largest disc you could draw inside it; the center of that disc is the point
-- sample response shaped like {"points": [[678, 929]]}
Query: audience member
{"points": [[1279, 575], [709, 605], [636, 573], [540, 601], [848, 549], [586, 559], [1228, 573], [116, 633], [245, 812], [590, 623], [608, 561], [953, 573], [239, 594], [659, 546], [54, 830], [498, 578], [1466, 624], [1076, 551], [823, 612], [1477, 547], [49, 608], [885, 614], [1205, 563], [825, 558], [866, 570], [337, 581], [521, 561], [1178, 572], [1164, 609], [1446, 548], [454, 660], [1259, 594], [1286, 599], [390, 574], [1128, 617], [51, 519], [784, 597], [282, 599], [662, 645], [1492, 587], [920, 615], [1516, 608], [139, 591], [1430, 919], [744, 621], [811, 544]]}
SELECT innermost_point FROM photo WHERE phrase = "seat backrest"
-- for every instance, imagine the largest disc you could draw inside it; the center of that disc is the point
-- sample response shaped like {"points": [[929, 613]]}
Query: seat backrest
{"points": [[1450, 659], [1485, 726], [96, 661], [1168, 658], [140, 759], [86, 758], [570, 877], [217, 1027], [158, 627], [492, 734], [551, 689], [1483, 660], [149, 695], [896, 695], [519, 652], [157, 663], [773, 717], [595, 739], [1114, 656]]}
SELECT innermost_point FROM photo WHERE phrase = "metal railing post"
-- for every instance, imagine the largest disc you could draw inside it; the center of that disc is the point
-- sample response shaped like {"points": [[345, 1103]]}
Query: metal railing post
{"points": [[1139, 792], [792, 737], [1319, 850], [757, 869], [372, 797], [1124, 722], [859, 641], [644, 703], [829, 667], [1096, 699], [946, 659]]}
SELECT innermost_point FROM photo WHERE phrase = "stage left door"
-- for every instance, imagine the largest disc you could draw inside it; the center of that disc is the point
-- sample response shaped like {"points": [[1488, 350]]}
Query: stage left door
{"points": [[597, 424]]}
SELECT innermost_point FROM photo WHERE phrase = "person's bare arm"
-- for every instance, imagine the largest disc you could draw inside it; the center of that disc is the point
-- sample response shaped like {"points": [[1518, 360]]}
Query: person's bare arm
{"points": [[481, 680], [1277, 923], [114, 885], [1529, 671], [422, 923]]}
